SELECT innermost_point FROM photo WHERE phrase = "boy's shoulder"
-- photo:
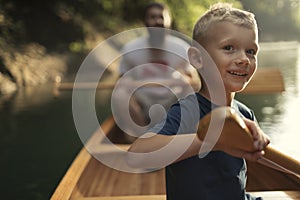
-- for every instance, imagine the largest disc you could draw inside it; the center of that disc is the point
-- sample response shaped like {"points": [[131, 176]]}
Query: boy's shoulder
{"points": [[244, 110]]}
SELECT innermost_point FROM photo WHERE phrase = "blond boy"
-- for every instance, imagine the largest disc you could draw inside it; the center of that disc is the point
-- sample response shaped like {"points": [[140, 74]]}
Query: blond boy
{"points": [[230, 37]]}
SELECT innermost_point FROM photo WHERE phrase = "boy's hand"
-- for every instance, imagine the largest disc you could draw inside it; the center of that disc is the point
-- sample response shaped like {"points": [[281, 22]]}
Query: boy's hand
{"points": [[261, 140]]}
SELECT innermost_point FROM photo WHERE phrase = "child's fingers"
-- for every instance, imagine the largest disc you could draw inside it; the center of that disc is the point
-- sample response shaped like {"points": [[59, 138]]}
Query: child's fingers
{"points": [[250, 156], [261, 140], [261, 143], [253, 156], [252, 127]]}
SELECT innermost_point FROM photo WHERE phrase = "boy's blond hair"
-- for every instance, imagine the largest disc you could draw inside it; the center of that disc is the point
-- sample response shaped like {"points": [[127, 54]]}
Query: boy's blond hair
{"points": [[222, 12]]}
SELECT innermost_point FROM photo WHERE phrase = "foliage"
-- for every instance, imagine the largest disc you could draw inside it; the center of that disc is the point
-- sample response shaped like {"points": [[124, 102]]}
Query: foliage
{"points": [[64, 25], [187, 12]]}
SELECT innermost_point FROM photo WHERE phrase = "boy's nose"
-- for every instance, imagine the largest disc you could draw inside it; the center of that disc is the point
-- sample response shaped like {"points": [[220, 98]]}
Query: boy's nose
{"points": [[242, 59]]}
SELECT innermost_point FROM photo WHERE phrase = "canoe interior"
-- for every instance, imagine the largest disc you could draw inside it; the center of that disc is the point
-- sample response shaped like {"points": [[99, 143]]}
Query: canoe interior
{"points": [[89, 178], [100, 180], [259, 177]]}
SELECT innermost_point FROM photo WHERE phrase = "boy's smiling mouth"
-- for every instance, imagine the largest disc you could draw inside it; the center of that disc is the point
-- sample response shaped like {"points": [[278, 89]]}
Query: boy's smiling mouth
{"points": [[237, 73]]}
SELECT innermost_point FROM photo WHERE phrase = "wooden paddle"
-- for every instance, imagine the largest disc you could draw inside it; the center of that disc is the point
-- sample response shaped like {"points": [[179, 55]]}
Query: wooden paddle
{"points": [[59, 86], [235, 134]]}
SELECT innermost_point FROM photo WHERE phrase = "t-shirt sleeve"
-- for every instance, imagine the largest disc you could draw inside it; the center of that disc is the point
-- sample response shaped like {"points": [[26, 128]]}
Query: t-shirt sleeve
{"points": [[169, 124], [183, 117], [245, 111]]}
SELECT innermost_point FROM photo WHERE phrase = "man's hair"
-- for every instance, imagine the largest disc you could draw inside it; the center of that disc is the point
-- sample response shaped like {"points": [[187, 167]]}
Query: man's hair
{"points": [[153, 5], [221, 12], [163, 7]]}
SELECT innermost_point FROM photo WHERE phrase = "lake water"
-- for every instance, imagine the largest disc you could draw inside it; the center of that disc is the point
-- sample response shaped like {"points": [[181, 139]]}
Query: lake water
{"points": [[38, 142], [38, 139], [278, 113]]}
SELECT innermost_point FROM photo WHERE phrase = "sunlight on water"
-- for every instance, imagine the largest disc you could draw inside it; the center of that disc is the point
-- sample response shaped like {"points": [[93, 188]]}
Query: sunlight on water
{"points": [[281, 120], [278, 114], [287, 135]]}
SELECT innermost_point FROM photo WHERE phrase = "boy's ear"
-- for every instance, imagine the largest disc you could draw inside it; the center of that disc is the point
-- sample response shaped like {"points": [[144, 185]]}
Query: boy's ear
{"points": [[195, 57]]}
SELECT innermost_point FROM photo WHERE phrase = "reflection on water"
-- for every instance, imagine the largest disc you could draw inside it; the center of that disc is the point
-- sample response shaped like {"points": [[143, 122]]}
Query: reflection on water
{"points": [[38, 141], [278, 113]]}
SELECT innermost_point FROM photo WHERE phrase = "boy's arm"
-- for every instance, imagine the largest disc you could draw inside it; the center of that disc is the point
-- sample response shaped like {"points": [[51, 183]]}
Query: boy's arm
{"points": [[159, 150], [260, 142]]}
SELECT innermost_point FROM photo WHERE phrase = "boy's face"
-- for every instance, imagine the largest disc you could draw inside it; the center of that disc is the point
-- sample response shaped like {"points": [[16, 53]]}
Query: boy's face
{"points": [[234, 50]]}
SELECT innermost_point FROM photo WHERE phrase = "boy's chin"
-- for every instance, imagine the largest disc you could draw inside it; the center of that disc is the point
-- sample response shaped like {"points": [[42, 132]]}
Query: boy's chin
{"points": [[237, 89]]}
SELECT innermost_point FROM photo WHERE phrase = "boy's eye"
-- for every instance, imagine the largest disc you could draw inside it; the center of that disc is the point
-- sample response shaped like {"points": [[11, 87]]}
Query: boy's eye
{"points": [[228, 47], [251, 52]]}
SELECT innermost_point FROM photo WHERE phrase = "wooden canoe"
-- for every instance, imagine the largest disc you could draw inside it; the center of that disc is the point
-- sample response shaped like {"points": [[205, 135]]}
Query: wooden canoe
{"points": [[89, 179]]}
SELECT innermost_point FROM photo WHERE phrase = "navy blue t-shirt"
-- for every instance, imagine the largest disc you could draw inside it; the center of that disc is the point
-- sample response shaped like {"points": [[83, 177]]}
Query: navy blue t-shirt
{"points": [[217, 176]]}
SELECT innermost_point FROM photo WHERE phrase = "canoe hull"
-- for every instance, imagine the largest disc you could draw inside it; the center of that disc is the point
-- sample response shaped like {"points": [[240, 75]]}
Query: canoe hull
{"points": [[89, 178]]}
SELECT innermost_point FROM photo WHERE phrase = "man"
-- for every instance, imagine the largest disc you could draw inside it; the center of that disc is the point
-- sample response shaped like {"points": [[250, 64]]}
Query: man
{"points": [[159, 58]]}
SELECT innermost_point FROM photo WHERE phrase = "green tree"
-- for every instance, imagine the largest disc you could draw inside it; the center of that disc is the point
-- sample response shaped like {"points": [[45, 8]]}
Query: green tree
{"points": [[66, 24], [187, 12]]}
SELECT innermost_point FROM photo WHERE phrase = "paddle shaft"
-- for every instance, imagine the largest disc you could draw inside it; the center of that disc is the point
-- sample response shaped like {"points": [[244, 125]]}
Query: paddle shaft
{"points": [[58, 86], [235, 134], [277, 160]]}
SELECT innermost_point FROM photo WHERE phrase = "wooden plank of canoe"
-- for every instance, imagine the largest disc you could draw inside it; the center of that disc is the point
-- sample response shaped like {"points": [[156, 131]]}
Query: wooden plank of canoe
{"points": [[267, 195], [100, 180], [266, 80], [88, 177], [68, 183]]}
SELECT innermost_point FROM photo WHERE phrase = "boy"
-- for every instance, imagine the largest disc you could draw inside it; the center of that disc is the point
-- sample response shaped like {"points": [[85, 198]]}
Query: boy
{"points": [[230, 37]]}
